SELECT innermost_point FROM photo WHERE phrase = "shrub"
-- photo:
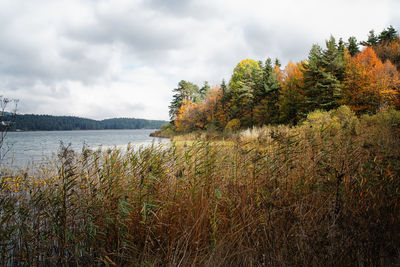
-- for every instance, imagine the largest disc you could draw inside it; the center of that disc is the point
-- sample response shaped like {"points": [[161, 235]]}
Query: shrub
{"points": [[233, 125]]}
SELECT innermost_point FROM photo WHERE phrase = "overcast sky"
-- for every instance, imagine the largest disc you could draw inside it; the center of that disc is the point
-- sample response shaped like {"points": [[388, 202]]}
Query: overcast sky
{"points": [[122, 58]]}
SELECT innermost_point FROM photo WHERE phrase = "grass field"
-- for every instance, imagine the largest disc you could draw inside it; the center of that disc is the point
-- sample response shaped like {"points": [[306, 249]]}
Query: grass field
{"points": [[325, 192]]}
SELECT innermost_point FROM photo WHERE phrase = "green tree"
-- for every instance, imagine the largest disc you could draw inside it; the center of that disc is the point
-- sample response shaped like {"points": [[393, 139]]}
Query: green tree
{"points": [[387, 35], [352, 46], [372, 39], [323, 76], [266, 107], [204, 90], [242, 87]]}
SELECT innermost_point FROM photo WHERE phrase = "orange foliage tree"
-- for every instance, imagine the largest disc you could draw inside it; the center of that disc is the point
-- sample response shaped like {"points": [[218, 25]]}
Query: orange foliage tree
{"points": [[369, 84], [190, 117], [291, 94], [199, 116]]}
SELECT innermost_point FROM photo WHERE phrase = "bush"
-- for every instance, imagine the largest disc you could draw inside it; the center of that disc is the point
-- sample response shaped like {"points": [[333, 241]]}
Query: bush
{"points": [[233, 125]]}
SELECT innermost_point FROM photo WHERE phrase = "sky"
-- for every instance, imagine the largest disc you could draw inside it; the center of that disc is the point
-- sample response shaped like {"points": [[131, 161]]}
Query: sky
{"points": [[122, 58]]}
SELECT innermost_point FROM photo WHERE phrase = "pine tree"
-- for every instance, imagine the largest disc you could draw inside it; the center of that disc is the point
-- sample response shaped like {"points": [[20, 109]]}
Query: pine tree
{"points": [[204, 90], [387, 35], [373, 40], [266, 109], [353, 46], [323, 76]]}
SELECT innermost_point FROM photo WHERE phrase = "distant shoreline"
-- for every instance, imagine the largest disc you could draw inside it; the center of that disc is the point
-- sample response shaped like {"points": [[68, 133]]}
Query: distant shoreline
{"points": [[77, 130], [32, 122]]}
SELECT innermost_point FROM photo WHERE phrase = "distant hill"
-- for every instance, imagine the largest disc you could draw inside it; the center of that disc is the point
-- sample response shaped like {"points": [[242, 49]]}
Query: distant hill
{"points": [[30, 122]]}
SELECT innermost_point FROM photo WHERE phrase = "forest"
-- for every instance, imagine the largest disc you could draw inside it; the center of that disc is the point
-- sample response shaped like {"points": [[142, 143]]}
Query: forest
{"points": [[261, 93], [30, 122]]}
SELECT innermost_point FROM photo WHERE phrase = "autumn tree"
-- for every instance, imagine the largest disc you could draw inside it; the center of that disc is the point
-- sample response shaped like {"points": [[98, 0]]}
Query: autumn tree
{"points": [[389, 51], [386, 45], [369, 84], [190, 117], [216, 115], [291, 95]]}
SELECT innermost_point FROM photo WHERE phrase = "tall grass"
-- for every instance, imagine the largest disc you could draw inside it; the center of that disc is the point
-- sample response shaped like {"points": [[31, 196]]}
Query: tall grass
{"points": [[324, 192]]}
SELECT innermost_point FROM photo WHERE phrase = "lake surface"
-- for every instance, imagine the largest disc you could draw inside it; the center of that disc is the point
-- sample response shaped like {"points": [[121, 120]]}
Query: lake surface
{"points": [[26, 147]]}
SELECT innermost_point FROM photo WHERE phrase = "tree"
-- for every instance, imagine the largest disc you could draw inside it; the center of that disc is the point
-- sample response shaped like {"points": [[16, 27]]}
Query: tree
{"points": [[291, 95], [387, 35], [7, 119], [184, 91], [352, 46], [323, 73], [266, 109], [242, 87], [370, 85], [389, 51], [372, 39], [213, 108], [190, 117], [204, 90]]}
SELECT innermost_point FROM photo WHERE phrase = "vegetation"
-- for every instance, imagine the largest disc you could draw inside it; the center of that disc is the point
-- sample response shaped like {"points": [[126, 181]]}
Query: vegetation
{"points": [[262, 93], [58, 123], [283, 167], [325, 192]]}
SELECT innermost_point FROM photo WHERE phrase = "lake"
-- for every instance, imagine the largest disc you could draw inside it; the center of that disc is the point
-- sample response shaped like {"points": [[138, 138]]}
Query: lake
{"points": [[26, 147]]}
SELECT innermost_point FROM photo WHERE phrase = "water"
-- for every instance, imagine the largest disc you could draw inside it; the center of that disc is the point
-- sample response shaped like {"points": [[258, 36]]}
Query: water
{"points": [[28, 147]]}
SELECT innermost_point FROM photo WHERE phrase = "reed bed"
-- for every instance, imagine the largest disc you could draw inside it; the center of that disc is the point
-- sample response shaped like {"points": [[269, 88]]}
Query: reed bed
{"points": [[324, 192]]}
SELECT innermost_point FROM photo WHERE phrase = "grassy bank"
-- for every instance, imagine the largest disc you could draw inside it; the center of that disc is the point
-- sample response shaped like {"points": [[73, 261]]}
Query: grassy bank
{"points": [[324, 192]]}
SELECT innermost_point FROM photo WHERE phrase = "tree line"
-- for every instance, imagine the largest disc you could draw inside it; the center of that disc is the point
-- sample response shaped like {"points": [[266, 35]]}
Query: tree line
{"points": [[30, 122], [260, 93]]}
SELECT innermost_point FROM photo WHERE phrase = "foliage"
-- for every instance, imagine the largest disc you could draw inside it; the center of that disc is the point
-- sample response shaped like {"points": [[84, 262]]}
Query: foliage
{"points": [[369, 84], [292, 93], [353, 46], [266, 110], [185, 91], [264, 94], [323, 73], [242, 86], [233, 125]]}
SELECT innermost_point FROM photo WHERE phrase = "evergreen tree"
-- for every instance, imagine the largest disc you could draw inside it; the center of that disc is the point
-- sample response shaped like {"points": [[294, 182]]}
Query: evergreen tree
{"points": [[223, 86], [353, 46], [204, 90], [372, 39], [387, 35], [267, 109], [323, 74]]}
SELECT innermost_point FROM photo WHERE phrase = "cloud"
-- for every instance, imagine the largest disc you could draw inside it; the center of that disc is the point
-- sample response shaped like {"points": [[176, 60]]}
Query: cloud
{"points": [[122, 58]]}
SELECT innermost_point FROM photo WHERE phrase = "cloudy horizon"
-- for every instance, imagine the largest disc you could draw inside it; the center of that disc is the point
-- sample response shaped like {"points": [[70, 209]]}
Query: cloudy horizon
{"points": [[104, 59]]}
